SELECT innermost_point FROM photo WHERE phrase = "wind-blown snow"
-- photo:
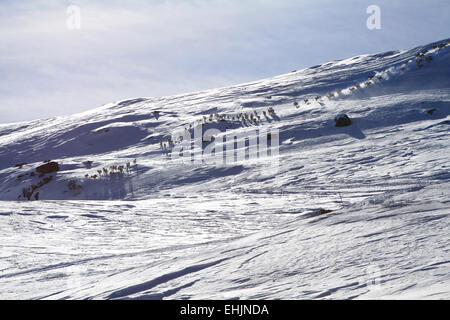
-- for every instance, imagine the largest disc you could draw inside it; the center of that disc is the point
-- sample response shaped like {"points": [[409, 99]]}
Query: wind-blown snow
{"points": [[165, 229]]}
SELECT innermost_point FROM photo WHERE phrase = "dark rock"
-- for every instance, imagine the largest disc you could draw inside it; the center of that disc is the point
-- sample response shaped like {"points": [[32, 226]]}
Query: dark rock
{"points": [[324, 211], [48, 168], [20, 165], [342, 120]]}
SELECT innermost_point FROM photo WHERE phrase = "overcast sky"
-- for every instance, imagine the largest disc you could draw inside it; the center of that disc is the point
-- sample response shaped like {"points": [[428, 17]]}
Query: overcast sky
{"points": [[131, 48]]}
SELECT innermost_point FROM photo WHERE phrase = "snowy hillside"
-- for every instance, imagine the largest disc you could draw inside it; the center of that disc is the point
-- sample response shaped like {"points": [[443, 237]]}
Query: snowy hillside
{"points": [[360, 211]]}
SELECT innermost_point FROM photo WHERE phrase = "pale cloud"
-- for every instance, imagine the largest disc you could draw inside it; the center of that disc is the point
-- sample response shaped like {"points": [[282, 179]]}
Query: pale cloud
{"points": [[139, 48]]}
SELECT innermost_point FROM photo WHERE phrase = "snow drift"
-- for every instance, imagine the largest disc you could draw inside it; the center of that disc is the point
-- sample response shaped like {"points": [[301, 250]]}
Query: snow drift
{"points": [[360, 211]]}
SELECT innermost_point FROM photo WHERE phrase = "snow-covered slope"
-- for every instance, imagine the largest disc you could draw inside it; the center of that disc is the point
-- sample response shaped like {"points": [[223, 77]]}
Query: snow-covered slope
{"points": [[166, 229]]}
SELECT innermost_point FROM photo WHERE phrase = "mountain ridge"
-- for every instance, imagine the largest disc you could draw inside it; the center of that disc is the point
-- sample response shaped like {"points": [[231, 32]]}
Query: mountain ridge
{"points": [[353, 212]]}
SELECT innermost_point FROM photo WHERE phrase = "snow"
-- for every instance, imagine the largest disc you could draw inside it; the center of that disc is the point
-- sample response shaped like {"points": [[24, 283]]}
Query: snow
{"points": [[357, 212]]}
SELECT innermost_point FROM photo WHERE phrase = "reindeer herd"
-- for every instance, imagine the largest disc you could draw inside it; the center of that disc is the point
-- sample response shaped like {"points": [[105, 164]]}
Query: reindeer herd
{"points": [[420, 59], [255, 117], [246, 119]]}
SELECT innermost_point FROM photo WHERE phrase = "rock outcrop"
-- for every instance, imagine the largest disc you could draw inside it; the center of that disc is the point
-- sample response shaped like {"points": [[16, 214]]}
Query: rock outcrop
{"points": [[48, 167], [342, 120]]}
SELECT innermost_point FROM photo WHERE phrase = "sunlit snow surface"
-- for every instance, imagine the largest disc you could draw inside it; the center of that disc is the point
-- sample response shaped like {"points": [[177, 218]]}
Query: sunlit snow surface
{"points": [[184, 231]]}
